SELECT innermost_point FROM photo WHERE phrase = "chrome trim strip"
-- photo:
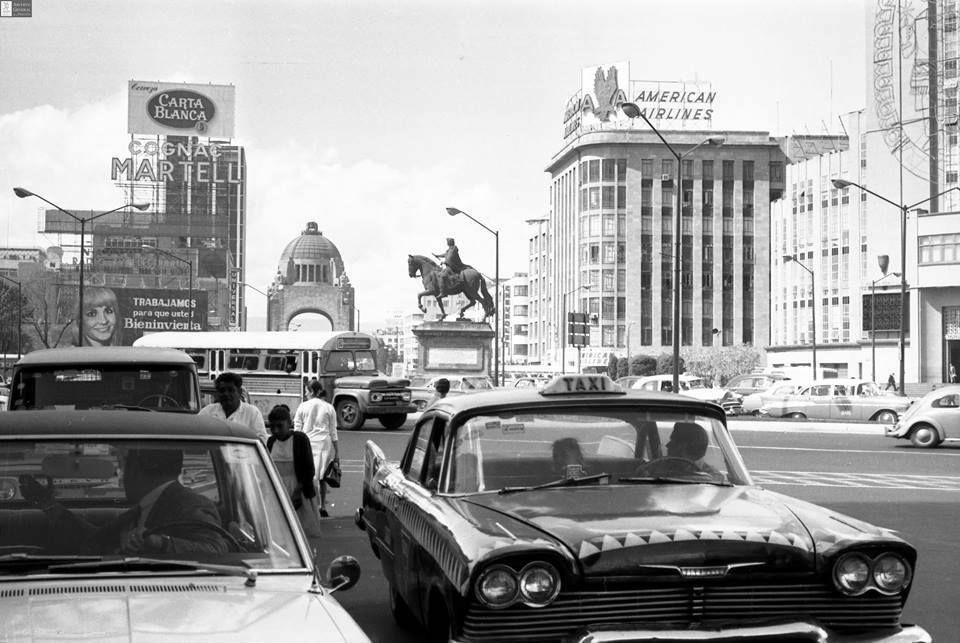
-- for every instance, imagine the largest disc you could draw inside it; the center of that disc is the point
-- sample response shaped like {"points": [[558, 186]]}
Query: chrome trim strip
{"points": [[816, 634]]}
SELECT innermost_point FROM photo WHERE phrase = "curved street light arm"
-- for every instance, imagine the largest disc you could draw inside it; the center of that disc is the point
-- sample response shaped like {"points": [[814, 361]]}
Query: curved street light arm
{"points": [[930, 198]]}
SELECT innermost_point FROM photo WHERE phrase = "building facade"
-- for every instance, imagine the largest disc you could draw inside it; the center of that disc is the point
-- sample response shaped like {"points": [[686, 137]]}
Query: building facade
{"points": [[515, 321], [610, 239]]}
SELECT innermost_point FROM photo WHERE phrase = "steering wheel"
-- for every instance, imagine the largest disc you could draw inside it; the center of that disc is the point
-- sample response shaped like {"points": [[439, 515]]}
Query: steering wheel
{"points": [[166, 529], [161, 398], [668, 466]]}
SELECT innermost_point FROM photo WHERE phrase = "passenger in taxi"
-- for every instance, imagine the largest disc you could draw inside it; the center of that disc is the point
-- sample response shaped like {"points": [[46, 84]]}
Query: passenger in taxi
{"points": [[689, 440], [166, 517], [568, 458]]}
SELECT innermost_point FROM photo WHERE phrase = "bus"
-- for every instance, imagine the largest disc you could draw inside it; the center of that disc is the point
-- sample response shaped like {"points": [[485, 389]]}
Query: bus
{"points": [[277, 367]]}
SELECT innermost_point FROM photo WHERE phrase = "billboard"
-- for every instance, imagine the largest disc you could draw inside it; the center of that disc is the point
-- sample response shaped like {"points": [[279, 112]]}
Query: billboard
{"points": [[119, 316], [180, 109]]}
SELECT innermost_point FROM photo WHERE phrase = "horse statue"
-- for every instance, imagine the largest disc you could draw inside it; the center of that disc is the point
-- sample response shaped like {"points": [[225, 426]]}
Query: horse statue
{"points": [[469, 282]]}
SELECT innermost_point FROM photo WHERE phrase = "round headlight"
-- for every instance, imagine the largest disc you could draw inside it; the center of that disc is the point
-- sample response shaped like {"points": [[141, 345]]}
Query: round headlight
{"points": [[498, 586], [539, 584], [891, 573], [376, 397], [851, 573]]}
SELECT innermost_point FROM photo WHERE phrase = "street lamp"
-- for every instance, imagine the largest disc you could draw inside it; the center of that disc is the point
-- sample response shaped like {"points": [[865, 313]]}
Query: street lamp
{"points": [[631, 110], [190, 277], [24, 193], [813, 305], [357, 310], [841, 184], [19, 315], [565, 326], [883, 261], [496, 302], [246, 285]]}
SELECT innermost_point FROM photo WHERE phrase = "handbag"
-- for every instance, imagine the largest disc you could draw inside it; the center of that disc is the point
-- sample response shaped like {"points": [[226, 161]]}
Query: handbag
{"points": [[333, 474]]}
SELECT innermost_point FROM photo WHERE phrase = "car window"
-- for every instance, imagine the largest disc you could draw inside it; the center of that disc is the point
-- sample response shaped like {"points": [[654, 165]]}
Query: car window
{"points": [[947, 401], [225, 487], [821, 390], [490, 452], [413, 464]]}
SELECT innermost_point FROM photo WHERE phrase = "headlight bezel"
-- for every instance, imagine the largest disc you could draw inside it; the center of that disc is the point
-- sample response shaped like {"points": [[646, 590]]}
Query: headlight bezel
{"points": [[871, 563], [517, 572], [532, 568], [376, 397], [487, 573]]}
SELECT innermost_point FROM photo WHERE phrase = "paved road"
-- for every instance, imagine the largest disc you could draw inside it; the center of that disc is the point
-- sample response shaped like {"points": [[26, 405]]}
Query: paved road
{"points": [[850, 468]]}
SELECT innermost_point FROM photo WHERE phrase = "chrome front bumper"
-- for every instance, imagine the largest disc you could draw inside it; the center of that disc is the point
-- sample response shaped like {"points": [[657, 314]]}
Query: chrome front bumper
{"points": [[769, 632]]}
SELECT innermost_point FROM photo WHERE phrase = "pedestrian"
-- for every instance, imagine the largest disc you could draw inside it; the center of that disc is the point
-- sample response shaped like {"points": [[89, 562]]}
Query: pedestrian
{"points": [[953, 374], [891, 383], [441, 387], [317, 418], [293, 456], [231, 408]]}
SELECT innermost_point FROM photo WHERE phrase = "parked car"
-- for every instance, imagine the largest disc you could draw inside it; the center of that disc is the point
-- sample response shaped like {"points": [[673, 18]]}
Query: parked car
{"points": [[220, 554], [754, 383], [839, 399], [627, 380], [584, 512], [932, 419], [691, 386], [777, 392], [424, 388]]}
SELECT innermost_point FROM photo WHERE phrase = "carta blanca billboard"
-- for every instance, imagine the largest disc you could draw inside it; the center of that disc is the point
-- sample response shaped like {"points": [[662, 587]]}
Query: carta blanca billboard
{"points": [[180, 109], [119, 316]]}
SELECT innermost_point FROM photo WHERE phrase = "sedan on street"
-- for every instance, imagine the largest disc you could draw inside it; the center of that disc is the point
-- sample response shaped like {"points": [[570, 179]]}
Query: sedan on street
{"points": [[839, 399]]}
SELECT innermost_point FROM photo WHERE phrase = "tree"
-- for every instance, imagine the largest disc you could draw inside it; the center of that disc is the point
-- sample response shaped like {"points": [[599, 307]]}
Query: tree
{"points": [[613, 366], [643, 365], [665, 363], [721, 363], [10, 326], [49, 310]]}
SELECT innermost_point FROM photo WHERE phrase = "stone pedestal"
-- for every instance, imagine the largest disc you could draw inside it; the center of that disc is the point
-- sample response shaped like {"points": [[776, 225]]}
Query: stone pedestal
{"points": [[454, 347]]}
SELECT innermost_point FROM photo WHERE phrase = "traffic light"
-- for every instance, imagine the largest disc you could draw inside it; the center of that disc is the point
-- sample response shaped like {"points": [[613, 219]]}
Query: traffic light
{"points": [[578, 329]]}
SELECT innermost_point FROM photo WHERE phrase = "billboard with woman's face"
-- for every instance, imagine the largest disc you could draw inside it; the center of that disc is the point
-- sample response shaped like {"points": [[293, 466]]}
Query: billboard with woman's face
{"points": [[119, 316]]}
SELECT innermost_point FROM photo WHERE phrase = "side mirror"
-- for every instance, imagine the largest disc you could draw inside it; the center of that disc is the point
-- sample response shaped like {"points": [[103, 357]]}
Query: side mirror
{"points": [[343, 573]]}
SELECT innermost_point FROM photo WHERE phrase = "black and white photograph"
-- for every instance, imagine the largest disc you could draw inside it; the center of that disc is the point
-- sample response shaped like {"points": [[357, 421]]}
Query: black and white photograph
{"points": [[479, 322]]}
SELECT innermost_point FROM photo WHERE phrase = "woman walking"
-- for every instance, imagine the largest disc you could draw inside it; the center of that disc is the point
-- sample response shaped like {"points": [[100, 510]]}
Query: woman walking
{"points": [[293, 457], [317, 418]]}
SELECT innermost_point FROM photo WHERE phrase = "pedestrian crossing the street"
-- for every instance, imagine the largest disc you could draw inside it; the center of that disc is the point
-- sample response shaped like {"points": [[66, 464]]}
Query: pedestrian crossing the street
{"points": [[857, 480]]}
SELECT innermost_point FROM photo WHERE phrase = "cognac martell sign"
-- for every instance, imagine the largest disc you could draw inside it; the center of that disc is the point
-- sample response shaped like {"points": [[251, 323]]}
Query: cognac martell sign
{"points": [[181, 109]]}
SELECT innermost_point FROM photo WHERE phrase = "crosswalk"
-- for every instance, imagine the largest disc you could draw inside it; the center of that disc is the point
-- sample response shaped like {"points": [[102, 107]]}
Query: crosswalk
{"points": [[857, 480]]}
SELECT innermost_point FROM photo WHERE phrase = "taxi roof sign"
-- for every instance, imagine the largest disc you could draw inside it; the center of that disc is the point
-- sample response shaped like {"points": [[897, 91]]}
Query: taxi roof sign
{"points": [[581, 385]]}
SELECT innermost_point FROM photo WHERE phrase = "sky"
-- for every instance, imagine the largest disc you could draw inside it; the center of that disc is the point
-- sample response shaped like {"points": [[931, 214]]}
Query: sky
{"points": [[371, 118]]}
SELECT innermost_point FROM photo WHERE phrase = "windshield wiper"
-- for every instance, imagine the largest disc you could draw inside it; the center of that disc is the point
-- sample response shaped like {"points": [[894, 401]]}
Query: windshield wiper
{"points": [[137, 563], [126, 407], [20, 561], [563, 482], [672, 480]]}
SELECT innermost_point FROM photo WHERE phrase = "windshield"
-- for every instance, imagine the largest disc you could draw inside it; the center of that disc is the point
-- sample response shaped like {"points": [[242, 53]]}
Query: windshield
{"points": [[490, 453], [161, 387], [207, 501]]}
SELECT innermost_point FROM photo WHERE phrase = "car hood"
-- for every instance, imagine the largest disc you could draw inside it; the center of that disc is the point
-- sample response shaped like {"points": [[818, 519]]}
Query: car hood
{"points": [[610, 528], [361, 381], [151, 609]]}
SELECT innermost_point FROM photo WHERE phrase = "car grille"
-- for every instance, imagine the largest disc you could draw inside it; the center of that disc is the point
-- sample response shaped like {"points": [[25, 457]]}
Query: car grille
{"points": [[680, 606]]}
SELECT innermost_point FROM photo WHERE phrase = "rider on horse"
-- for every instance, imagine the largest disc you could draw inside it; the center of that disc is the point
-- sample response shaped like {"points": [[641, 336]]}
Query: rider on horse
{"points": [[452, 265]]}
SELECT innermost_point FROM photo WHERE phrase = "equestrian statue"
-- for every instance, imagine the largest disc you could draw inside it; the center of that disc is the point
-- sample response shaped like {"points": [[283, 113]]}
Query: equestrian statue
{"points": [[453, 278]]}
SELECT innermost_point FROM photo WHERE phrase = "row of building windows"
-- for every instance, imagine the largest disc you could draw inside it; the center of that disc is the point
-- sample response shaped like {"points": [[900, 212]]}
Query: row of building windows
{"points": [[940, 248], [605, 170]]}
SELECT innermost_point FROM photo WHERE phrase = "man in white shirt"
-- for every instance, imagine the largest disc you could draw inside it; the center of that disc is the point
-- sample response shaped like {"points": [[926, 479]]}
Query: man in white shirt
{"points": [[231, 408], [318, 419]]}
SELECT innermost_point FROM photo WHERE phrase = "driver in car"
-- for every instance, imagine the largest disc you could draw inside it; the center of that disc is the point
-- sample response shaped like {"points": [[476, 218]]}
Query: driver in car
{"points": [[166, 517], [689, 441]]}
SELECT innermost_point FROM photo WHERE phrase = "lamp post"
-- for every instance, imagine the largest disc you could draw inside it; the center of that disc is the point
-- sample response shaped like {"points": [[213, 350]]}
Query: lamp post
{"points": [[496, 303], [883, 260], [357, 310], [566, 327], [19, 314], [813, 305], [631, 110], [246, 285], [24, 193], [189, 275], [843, 183]]}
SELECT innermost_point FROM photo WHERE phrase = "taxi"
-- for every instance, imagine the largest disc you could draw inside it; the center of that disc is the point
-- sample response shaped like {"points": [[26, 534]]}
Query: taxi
{"points": [[132, 526], [584, 512]]}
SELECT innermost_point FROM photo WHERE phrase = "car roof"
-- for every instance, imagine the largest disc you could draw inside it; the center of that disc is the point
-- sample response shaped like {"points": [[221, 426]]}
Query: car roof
{"points": [[81, 355], [531, 398], [119, 423]]}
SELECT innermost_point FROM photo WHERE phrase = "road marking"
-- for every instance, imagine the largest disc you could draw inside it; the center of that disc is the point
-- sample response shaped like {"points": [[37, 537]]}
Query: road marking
{"points": [[857, 480], [927, 453]]}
